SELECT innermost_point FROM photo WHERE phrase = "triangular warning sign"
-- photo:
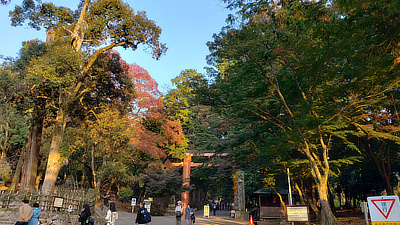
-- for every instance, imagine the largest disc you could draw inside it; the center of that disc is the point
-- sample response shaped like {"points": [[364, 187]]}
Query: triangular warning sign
{"points": [[384, 206]]}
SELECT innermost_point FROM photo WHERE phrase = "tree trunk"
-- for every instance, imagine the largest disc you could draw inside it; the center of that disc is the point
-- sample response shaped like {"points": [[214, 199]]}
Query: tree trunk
{"points": [[17, 174], [327, 216], [55, 161], [320, 172], [99, 180], [31, 156], [39, 176], [318, 161], [382, 162], [304, 197], [93, 168], [83, 172]]}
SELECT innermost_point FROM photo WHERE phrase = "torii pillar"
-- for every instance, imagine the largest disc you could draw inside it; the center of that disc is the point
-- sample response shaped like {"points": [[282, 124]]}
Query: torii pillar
{"points": [[187, 161], [187, 164]]}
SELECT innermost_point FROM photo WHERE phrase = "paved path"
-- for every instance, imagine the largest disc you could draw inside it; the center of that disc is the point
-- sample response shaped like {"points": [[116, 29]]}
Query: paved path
{"points": [[221, 218]]}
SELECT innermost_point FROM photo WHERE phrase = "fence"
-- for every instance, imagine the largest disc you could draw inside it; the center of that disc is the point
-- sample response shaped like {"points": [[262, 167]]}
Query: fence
{"points": [[67, 202]]}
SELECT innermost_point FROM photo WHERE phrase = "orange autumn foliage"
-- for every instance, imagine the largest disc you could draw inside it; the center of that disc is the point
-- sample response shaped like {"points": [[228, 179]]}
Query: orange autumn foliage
{"points": [[156, 136]]}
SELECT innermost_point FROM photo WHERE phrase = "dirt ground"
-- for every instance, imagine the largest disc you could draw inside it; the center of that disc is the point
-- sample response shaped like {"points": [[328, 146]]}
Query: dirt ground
{"points": [[351, 216]]}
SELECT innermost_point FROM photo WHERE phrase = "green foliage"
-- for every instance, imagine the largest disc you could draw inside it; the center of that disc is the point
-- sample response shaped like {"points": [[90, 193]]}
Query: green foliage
{"points": [[58, 66], [5, 171], [116, 21], [13, 119], [179, 100], [116, 173], [159, 181], [125, 194], [309, 80]]}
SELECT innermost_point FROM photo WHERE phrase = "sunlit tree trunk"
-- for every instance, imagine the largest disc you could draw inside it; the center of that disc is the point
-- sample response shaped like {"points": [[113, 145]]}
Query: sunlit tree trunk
{"points": [[55, 161], [38, 178], [320, 172], [305, 197], [17, 174], [93, 168]]}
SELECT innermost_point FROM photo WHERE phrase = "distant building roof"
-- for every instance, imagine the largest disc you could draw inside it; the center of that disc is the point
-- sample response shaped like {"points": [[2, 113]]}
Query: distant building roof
{"points": [[270, 190]]}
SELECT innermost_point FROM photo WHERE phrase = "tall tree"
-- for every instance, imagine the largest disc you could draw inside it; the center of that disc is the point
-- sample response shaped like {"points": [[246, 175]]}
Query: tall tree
{"points": [[298, 66], [100, 26]]}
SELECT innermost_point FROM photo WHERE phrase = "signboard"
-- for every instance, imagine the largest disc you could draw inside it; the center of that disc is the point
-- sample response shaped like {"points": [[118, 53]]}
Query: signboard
{"points": [[297, 213], [133, 201], [69, 208], [206, 211], [58, 202], [384, 210], [147, 204]]}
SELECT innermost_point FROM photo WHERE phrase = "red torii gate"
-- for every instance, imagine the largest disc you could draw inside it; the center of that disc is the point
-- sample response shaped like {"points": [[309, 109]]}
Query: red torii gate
{"points": [[187, 164]]}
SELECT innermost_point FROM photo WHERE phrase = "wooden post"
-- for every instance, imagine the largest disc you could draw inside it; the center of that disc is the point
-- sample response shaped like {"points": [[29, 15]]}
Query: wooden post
{"points": [[186, 180]]}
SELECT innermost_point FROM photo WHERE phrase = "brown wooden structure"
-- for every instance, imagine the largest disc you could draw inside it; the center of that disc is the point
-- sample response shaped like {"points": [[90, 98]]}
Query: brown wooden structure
{"points": [[187, 164], [269, 203]]}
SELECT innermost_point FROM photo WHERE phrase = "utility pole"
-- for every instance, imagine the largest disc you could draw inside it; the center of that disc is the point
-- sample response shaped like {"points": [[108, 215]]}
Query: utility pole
{"points": [[290, 188]]}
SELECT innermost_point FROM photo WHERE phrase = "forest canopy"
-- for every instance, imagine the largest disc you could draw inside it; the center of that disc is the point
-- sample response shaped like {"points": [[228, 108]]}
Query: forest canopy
{"points": [[309, 87]]}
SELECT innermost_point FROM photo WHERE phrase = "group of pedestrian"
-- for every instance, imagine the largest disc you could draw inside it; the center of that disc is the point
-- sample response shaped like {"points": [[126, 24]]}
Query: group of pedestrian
{"points": [[86, 219], [189, 214], [27, 215]]}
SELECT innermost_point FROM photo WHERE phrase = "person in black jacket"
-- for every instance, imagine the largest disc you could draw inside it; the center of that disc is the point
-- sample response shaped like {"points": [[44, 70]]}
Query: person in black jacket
{"points": [[83, 217], [140, 214]]}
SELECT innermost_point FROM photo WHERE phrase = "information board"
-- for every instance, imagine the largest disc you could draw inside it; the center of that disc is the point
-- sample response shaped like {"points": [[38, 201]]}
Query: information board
{"points": [[297, 213], [58, 202]]}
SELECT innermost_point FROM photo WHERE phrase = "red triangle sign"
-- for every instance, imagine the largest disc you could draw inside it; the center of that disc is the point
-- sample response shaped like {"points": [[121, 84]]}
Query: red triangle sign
{"points": [[384, 206]]}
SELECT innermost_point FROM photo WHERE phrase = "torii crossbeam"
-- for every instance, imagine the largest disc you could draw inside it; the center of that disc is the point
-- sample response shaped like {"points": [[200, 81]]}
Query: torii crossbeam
{"points": [[187, 164]]}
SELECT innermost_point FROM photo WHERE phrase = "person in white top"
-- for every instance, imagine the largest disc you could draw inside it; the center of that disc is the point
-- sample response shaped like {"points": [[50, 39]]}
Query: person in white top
{"points": [[112, 214], [179, 213]]}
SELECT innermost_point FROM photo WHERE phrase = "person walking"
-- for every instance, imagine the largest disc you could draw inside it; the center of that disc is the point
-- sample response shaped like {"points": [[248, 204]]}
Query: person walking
{"points": [[25, 213], [214, 208], [35, 215], [106, 199], [85, 214], [112, 214], [189, 214], [143, 216], [179, 213]]}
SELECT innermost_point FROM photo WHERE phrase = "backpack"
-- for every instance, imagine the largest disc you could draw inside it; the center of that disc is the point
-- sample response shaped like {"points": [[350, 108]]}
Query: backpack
{"points": [[90, 220], [146, 216]]}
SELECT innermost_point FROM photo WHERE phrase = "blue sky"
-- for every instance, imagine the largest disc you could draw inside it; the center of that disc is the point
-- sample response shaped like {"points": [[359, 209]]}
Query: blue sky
{"points": [[187, 25]]}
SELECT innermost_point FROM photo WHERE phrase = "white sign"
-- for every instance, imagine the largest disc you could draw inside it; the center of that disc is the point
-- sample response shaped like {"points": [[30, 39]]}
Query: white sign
{"points": [[147, 204], [297, 213], [206, 211], [58, 202], [384, 208], [69, 208], [133, 201]]}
